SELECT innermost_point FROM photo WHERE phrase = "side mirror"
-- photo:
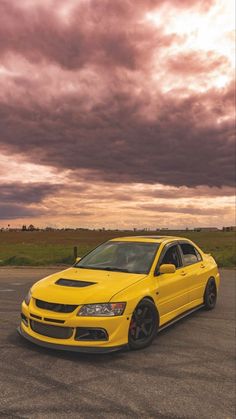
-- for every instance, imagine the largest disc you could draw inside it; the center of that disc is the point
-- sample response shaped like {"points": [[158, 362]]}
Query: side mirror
{"points": [[167, 269], [77, 259]]}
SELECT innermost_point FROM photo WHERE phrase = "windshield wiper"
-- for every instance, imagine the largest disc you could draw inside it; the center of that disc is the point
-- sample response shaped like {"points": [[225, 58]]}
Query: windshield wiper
{"points": [[104, 268], [110, 268]]}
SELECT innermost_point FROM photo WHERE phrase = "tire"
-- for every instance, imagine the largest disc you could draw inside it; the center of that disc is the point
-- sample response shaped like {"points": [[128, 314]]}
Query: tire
{"points": [[210, 295], [143, 325]]}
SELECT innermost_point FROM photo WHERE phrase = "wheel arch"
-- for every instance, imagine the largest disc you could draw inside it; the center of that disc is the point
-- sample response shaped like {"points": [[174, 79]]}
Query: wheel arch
{"points": [[210, 279], [148, 297], [209, 296]]}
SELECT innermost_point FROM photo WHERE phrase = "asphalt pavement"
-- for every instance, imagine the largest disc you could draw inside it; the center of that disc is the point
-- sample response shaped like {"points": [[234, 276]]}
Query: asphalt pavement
{"points": [[188, 372]]}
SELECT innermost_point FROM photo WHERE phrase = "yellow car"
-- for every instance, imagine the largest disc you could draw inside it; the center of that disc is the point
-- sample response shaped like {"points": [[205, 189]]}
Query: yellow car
{"points": [[120, 294]]}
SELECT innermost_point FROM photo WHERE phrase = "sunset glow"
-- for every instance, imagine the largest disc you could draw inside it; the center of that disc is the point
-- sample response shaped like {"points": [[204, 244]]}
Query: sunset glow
{"points": [[115, 115]]}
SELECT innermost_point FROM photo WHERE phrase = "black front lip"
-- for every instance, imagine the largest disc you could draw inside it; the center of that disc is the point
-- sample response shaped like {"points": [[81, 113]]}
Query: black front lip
{"points": [[81, 349]]}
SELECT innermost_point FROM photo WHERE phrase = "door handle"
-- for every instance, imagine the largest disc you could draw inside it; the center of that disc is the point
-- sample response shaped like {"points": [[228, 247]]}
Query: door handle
{"points": [[202, 265], [183, 273]]}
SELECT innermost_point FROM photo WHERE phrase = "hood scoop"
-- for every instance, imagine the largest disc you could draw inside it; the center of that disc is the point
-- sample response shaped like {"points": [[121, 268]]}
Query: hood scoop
{"points": [[73, 283]]}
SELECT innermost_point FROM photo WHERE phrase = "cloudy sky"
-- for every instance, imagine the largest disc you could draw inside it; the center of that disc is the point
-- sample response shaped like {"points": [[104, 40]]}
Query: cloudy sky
{"points": [[117, 113]]}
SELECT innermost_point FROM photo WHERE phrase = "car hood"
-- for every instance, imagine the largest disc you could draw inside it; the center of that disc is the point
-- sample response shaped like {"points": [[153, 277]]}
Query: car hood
{"points": [[105, 285]]}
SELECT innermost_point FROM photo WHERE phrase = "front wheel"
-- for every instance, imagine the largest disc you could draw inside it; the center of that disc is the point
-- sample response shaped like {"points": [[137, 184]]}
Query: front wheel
{"points": [[210, 295], [143, 325]]}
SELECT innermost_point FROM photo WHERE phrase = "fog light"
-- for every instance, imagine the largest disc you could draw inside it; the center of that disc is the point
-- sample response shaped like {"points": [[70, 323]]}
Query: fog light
{"points": [[86, 333]]}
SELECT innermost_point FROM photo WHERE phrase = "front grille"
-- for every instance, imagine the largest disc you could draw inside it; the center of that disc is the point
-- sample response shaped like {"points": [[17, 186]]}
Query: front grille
{"points": [[59, 308], [50, 331], [73, 283]]}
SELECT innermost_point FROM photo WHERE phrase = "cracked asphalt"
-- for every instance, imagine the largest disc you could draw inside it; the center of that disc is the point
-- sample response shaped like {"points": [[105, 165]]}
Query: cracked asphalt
{"points": [[188, 372]]}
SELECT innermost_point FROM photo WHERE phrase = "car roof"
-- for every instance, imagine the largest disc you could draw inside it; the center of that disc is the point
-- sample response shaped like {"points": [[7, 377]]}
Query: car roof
{"points": [[148, 239]]}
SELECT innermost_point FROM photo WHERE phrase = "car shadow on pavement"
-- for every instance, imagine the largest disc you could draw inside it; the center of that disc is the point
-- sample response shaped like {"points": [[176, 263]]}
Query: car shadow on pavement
{"points": [[15, 339]]}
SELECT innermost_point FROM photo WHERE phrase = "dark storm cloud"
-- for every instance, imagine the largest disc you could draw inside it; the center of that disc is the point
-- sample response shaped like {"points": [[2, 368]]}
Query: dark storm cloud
{"points": [[133, 132], [181, 144], [30, 193], [103, 32], [100, 32]]}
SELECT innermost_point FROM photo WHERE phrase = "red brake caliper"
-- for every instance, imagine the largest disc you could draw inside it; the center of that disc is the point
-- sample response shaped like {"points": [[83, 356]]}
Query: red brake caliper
{"points": [[132, 327]]}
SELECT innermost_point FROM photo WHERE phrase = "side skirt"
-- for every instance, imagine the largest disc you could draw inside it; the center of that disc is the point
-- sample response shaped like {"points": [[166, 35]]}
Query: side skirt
{"points": [[181, 316]]}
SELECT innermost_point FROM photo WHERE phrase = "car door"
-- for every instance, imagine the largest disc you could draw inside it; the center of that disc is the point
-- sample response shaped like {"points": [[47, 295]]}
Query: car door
{"points": [[173, 289], [195, 269]]}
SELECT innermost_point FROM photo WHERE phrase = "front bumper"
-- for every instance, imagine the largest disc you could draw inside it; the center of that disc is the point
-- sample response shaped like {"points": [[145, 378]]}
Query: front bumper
{"points": [[117, 329], [81, 349]]}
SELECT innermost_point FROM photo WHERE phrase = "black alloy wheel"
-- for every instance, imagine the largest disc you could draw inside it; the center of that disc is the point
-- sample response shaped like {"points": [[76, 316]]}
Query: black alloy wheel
{"points": [[143, 325], [210, 295]]}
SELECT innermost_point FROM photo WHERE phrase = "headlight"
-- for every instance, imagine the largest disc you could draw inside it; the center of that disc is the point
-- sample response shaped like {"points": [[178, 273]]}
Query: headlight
{"points": [[28, 297], [106, 310]]}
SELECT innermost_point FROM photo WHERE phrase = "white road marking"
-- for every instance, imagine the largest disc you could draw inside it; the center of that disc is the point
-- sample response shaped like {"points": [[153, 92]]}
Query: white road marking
{"points": [[6, 290]]}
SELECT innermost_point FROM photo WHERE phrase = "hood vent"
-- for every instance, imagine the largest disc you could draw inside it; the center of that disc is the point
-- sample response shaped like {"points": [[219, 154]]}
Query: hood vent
{"points": [[73, 283]]}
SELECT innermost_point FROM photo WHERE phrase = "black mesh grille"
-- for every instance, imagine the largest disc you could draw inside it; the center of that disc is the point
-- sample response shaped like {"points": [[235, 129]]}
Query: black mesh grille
{"points": [[59, 308], [57, 332], [73, 283]]}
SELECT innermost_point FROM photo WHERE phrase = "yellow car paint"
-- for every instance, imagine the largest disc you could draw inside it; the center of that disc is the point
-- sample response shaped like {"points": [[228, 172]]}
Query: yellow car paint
{"points": [[173, 294]]}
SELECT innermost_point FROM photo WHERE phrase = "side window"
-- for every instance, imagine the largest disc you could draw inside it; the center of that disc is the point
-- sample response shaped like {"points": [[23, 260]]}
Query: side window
{"points": [[190, 254], [172, 256], [199, 258]]}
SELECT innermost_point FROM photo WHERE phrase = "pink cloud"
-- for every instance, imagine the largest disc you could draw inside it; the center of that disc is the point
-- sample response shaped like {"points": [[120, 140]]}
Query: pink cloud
{"points": [[103, 95]]}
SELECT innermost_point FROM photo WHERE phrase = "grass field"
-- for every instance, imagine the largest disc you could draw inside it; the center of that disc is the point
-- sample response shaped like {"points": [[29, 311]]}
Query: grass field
{"points": [[52, 248]]}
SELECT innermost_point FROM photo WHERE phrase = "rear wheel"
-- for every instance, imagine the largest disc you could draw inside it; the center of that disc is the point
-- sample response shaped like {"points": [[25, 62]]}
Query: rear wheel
{"points": [[210, 295], [143, 325]]}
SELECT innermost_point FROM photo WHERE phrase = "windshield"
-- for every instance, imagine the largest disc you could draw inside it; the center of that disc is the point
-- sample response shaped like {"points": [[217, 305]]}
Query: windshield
{"points": [[133, 257]]}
